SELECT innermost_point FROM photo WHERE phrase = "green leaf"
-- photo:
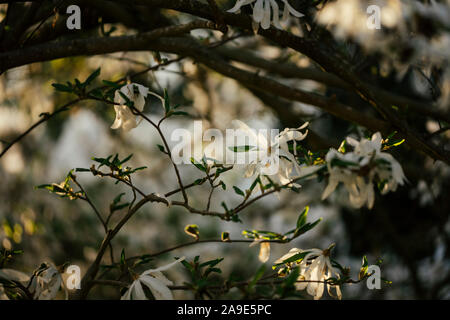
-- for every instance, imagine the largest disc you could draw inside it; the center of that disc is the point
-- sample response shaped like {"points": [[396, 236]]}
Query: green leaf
{"points": [[122, 257], [161, 148], [292, 278], [296, 257], [91, 77], [223, 185], [302, 218], [188, 266], [128, 102], [257, 180], [78, 84], [111, 84], [258, 275], [166, 101], [241, 148], [211, 263], [117, 198], [126, 159], [223, 204], [342, 163], [198, 165], [305, 228], [210, 270], [238, 191], [62, 87], [180, 113]]}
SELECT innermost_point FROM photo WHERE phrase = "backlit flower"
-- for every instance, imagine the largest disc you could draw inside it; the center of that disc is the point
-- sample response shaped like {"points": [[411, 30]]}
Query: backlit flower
{"points": [[45, 282], [360, 169], [155, 281], [315, 270], [125, 118], [271, 157]]}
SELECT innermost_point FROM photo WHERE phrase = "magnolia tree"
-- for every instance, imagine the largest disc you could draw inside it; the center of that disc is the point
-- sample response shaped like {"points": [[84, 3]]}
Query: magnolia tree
{"points": [[346, 60]]}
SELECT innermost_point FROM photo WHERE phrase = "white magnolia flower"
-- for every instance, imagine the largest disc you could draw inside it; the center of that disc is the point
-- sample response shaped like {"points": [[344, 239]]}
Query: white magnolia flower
{"points": [[155, 281], [264, 9], [315, 269], [46, 282], [364, 164], [272, 157], [125, 118]]}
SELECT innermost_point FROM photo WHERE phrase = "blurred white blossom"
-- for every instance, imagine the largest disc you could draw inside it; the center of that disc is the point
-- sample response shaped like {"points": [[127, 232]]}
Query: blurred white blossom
{"points": [[360, 169], [265, 11]]}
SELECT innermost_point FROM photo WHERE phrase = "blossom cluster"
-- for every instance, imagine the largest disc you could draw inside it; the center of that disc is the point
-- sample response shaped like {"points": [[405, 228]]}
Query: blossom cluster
{"points": [[411, 35], [360, 169], [44, 283], [315, 271], [266, 12]]}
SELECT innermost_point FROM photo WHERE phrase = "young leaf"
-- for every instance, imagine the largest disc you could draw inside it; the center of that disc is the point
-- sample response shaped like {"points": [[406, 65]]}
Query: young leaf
{"points": [[238, 191], [91, 77], [302, 218], [241, 148], [62, 87], [225, 236], [192, 230]]}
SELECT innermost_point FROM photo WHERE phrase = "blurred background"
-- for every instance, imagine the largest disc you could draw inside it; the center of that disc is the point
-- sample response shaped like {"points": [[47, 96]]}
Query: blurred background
{"points": [[408, 229]]}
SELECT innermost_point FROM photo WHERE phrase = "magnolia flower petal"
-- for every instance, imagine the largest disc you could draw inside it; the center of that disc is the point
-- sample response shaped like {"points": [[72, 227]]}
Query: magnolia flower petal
{"points": [[239, 4], [138, 292], [250, 170], [264, 252], [285, 17], [11, 274], [292, 11], [163, 268], [161, 277], [127, 295], [319, 290], [258, 11], [159, 290], [139, 102], [143, 91], [332, 184], [303, 126], [265, 22], [351, 141], [129, 124], [370, 196], [276, 14]]}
